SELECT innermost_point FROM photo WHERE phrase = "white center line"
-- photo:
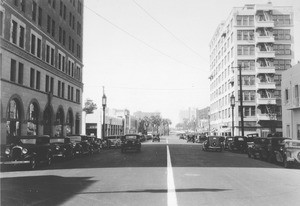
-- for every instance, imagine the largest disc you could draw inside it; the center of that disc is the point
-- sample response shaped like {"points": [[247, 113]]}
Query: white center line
{"points": [[172, 199]]}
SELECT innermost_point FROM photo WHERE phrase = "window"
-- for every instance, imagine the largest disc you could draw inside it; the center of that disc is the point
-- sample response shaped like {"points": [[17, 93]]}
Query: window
{"points": [[72, 93], [65, 12], [58, 88], [77, 95], [34, 7], [50, 53], [282, 20], [244, 20], [59, 34], [286, 95], [47, 84], [17, 32], [48, 24], [282, 64], [78, 29], [70, 68], [245, 50], [282, 49], [38, 80], [282, 34], [69, 92], [20, 73], [247, 64], [23, 5], [63, 90], [64, 37], [13, 70], [245, 34], [40, 17], [61, 61], [51, 84], [53, 28], [1, 23], [36, 44], [288, 132], [298, 131], [248, 80], [32, 77], [79, 7]]}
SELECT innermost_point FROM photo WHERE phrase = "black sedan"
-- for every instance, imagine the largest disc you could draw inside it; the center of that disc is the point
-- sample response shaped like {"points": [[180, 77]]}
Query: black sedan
{"points": [[131, 142]]}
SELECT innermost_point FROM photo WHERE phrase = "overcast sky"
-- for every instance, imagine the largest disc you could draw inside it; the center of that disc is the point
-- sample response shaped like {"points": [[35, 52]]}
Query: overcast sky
{"points": [[153, 55]]}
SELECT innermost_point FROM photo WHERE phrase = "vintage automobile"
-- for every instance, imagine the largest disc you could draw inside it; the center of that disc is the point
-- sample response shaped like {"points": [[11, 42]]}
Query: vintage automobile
{"points": [[28, 150], [289, 153], [131, 142], [227, 141], [81, 145], [62, 148], [191, 138], [273, 144], [96, 144], [114, 141], [214, 143], [156, 138], [259, 144], [238, 143]]}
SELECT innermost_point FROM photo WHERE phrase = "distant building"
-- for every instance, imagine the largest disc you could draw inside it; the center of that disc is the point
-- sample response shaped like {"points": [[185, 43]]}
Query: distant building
{"points": [[187, 115], [259, 37], [41, 67], [202, 120], [290, 90]]}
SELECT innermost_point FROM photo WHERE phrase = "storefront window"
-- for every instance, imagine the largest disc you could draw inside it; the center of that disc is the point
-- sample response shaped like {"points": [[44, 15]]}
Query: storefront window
{"points": [[13, 122], [59, 123]]}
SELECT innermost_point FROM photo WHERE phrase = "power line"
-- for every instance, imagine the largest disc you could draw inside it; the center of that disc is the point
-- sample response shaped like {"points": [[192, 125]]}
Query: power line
{"points": [[171, 33], [140, 40]]}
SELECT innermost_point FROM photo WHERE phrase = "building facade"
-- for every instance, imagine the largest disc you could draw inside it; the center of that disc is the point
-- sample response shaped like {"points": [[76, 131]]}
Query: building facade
{"points": [[259, 38], [41, 67], [290, 90]]}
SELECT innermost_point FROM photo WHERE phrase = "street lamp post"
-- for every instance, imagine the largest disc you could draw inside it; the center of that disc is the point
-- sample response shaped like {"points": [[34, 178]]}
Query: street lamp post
{"points": [[232, 102], [103, 125]]}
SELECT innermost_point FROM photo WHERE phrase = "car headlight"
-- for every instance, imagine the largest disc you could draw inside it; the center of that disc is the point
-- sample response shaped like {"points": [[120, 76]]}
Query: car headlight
{"points": [[7, 151], [24, 151], [57, 148]]}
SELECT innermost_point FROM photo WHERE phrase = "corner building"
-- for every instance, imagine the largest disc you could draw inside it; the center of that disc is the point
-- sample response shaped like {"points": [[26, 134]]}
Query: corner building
{"points": [[41, 67], [259, 37]]}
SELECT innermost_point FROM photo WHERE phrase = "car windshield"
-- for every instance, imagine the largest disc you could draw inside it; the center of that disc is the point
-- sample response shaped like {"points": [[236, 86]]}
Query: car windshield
{"points": [[241, 139], [28, 141], [130, 137], [295, 144], [75, 139], [58, 140]]}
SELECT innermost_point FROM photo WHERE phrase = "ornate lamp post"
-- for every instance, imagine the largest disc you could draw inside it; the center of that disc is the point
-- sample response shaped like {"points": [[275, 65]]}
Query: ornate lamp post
{"points": [[232, 103], [103, 105]]}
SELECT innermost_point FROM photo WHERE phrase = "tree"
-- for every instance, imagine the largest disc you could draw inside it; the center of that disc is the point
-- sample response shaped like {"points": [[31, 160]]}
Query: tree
{"points": [[89, 106], [166, 123], [156, 121]]}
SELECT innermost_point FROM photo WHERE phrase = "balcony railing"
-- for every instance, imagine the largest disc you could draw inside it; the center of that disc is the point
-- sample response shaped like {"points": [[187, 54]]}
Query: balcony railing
{"points": [[267, 24], [265, 70], [266, 117], [266, 85], [264, 39], [266, 101], [265, 54]]}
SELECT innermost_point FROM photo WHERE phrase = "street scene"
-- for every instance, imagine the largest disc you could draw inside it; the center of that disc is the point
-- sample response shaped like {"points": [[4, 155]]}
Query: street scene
{"points": [[114, 178], [161, 102]]}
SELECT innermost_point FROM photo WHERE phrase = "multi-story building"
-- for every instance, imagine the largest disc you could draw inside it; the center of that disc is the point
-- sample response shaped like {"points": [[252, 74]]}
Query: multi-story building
{"points": [[259, 38], [290, 90], [41, 67]]}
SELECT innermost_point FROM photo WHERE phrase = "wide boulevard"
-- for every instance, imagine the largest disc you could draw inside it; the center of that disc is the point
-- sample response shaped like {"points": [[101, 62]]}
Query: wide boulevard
{"points": [[171, 172]]}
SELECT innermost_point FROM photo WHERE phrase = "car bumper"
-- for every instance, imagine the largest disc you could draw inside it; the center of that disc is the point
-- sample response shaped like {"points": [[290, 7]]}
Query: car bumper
{"points": [[15, 162]]}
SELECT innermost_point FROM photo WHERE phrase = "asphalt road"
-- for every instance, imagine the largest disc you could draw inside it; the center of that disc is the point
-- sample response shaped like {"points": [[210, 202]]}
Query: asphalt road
{"points": [[171, 172]]}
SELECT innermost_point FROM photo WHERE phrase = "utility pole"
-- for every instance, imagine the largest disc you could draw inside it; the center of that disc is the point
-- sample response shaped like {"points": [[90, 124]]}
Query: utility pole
{"points": [[241, 98]]}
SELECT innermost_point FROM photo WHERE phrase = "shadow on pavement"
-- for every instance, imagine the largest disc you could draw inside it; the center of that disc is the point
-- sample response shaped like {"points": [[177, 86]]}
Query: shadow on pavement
{"points": [[41, 190], [160, 191]]}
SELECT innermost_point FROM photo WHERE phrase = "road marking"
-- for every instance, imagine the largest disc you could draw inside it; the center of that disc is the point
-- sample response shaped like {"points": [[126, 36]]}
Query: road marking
{"points": [[172, 199]]}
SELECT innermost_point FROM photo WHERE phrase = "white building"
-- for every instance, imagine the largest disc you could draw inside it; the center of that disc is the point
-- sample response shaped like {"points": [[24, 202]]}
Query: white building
{"points": [[259, 37], [291, 102]]}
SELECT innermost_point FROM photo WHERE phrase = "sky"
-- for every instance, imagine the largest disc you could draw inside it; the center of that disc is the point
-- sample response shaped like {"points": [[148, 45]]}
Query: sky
{"points": [[153, 56]]}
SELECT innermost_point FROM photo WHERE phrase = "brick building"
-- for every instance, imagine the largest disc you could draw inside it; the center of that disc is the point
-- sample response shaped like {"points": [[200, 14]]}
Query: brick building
{"points": [[41, 67]]}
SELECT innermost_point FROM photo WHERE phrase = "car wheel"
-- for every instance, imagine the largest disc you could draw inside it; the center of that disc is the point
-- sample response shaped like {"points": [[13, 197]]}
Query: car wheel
{"points": [[33, 163]]}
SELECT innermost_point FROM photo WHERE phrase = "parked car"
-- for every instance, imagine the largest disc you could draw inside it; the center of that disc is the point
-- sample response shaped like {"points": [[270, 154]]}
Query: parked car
{"points": [[238, 143], [81, 145], [114, 141], [62, 147], [273, 144], [131, 142], [215, 143], [95, 143], [156, 138], [259, 144], [28, 150], [191, 138], [181, 136], [227, 141], [290, 153], [149, 136]]}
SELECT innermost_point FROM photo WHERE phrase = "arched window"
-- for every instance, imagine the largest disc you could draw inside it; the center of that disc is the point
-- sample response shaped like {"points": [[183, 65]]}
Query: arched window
{"points": [[13, 124], [69, 122], [32, 124], [59, 122]]}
